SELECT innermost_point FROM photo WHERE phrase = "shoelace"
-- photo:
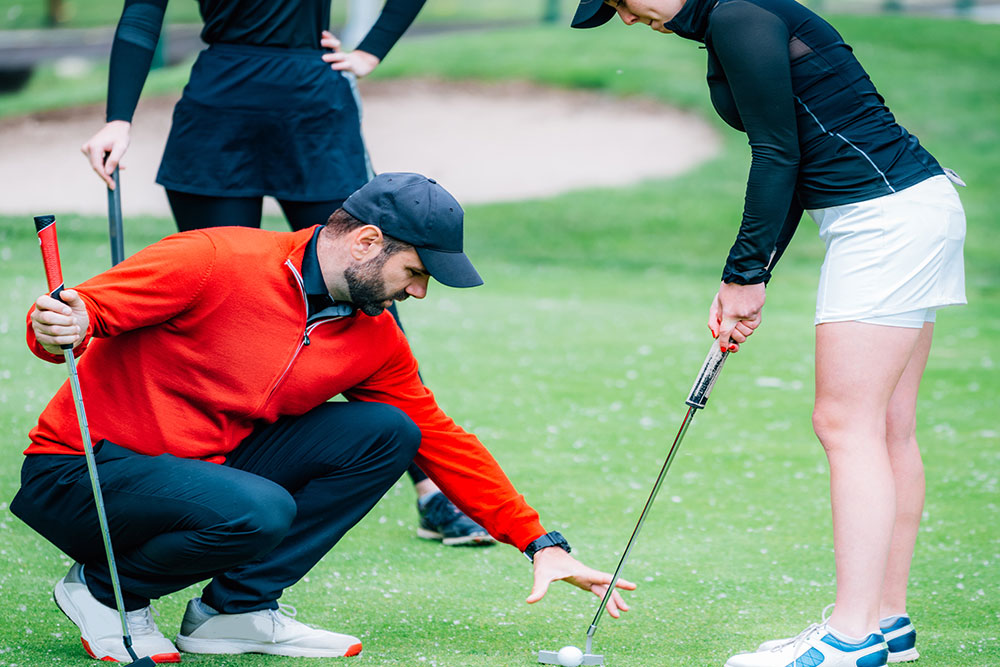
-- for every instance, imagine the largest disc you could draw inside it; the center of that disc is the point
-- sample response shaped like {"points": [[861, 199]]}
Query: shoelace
{"points": [[286, 610], [280, 618], [140, 621], [283, 616], [801, 638], [827, 612]]}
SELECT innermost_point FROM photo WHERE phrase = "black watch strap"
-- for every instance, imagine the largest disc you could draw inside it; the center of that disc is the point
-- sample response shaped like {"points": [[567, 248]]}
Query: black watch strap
{"points": [[553, 539]]}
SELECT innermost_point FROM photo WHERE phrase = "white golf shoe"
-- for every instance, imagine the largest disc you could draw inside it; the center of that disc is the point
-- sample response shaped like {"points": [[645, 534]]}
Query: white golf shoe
{"points": [[271, 631], [899, 633], [101, 626], [816, 647], [775, 643]]}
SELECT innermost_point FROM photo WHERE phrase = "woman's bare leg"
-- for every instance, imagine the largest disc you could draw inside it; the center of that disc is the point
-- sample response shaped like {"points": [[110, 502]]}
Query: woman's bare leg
{"points": [[908, 473], [858, 368]]}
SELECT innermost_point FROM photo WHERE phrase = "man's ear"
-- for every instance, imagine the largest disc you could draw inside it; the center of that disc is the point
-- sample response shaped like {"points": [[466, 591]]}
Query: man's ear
{"points": [[366, 242]]}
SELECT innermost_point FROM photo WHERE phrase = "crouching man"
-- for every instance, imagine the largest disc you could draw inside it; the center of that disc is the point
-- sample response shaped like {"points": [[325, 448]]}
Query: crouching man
{"points": [[207, 361]]}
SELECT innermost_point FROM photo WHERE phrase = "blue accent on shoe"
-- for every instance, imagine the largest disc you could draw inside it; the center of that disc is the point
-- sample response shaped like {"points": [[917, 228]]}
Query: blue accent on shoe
{"points": [[878, 659], [875, 659], [901, 622], [811, 658], [870, 640], [904, 642]]}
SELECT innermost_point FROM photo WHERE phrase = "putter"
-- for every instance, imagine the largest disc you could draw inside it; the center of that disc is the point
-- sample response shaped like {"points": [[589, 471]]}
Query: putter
{"points": [[45, 226], [115, 221], [696, 400]]}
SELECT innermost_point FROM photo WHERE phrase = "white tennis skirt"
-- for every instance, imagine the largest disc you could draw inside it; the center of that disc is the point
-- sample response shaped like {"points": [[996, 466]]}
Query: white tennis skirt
{"points": [[894, 259]]}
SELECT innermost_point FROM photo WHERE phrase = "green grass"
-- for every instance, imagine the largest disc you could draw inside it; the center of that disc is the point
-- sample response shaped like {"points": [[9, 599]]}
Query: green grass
{"points": [[572, 364]]}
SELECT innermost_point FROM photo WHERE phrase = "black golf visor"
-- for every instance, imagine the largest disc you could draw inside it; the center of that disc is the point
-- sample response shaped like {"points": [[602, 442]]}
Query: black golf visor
{"points": [[592, 13]]}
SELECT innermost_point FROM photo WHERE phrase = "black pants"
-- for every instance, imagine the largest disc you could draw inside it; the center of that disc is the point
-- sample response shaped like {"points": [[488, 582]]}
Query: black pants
{"points": [[200, 211], [254, 526]]}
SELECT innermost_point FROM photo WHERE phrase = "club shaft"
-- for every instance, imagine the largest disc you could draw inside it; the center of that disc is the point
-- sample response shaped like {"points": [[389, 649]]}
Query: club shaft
{"points": [[115, 232], [88, 451], [638, 526]]}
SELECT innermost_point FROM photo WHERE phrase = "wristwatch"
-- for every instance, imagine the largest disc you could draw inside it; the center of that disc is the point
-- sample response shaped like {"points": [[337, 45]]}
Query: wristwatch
{"points": [[553, 539]]}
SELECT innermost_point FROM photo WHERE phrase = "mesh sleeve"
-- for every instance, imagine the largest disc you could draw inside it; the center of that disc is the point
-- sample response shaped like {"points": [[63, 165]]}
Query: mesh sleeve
{"points": [[131, 55], [752, 48]]}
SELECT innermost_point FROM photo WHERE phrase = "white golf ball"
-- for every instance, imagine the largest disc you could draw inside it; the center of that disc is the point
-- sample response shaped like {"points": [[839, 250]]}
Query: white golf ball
{"points": [[570, 656]]}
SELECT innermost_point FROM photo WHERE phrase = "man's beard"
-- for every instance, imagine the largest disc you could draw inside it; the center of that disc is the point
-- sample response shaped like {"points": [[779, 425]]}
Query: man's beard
{"points": [[366, 287]]}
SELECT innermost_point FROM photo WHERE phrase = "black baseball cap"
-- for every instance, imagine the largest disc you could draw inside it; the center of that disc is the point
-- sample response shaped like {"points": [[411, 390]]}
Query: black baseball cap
{"points": [[592, 13], [417, 210]]}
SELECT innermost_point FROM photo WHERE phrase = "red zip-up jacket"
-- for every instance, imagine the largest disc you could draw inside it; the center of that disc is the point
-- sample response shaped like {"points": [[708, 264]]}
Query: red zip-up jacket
{"points": [[202, 336]]}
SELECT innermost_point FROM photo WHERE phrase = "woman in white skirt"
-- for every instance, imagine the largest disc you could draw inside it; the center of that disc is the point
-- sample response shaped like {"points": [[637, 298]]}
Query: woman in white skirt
{"points": [[822, 140]]}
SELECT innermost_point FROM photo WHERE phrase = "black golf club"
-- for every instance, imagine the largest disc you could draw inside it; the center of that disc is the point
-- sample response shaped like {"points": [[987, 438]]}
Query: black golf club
{"points": [[696, 400], [115, 231], [45, 226]]}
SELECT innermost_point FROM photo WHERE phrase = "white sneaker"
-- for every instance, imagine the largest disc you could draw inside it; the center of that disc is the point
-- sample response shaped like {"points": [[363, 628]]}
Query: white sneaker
{"points": [[900, 636], [816, 647], [101, 626], [775, 643], [271, 631]]}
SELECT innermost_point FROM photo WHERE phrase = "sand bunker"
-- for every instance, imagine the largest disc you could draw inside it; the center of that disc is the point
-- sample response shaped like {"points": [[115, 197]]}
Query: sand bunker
{"points": [[484, 142]]}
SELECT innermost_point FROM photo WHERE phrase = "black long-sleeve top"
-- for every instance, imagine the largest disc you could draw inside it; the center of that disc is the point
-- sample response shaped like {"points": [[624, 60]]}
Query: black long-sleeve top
{"points": [[820, 134], [287, 24]]}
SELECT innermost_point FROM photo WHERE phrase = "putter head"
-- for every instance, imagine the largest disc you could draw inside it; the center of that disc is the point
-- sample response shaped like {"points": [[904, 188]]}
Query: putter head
{"points": [[552, 658], [146, 661]]}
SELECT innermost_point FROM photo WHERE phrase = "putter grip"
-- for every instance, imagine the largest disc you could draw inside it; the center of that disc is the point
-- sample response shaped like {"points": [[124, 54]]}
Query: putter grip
{"points": [[707, 376], [45, 225]]}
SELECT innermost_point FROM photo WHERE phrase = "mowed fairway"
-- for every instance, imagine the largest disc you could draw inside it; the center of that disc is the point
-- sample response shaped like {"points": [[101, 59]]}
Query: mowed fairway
{"points": [[572, 364]]}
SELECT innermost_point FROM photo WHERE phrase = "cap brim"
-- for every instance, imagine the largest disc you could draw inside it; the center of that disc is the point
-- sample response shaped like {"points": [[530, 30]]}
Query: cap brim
{"points": [[592, 13], [450, 268]]}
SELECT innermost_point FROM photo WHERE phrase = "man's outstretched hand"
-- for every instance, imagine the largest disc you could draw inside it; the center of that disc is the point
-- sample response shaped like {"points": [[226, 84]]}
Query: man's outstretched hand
{"points": [[554, 564]]}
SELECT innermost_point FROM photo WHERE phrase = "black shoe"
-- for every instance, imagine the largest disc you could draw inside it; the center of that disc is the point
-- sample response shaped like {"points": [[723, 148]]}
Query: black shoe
{"points": [[441, 520]]}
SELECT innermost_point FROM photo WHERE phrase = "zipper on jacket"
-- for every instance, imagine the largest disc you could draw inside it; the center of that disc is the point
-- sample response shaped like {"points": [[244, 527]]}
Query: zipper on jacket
{"points": [[305, 333], [305, 303]]}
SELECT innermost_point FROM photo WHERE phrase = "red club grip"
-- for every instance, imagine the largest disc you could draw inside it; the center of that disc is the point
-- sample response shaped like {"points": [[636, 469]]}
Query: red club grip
{"points": [[45, 225]]}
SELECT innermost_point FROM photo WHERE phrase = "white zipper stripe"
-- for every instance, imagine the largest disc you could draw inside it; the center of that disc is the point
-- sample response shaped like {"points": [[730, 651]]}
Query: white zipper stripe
{"points": [[846, 141]]}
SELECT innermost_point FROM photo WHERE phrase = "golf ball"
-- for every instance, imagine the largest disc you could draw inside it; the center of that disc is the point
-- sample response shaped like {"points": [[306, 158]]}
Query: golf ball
{"points": [[570, 656]]}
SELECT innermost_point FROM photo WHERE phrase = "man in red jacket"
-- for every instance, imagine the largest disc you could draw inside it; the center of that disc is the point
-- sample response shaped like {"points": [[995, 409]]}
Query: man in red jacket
{"points": [[207, 361]]}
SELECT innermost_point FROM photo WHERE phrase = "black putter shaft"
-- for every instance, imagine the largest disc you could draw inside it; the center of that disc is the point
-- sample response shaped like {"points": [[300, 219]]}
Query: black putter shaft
{"points": [[45, 226], [696, 400], [115, 231]]}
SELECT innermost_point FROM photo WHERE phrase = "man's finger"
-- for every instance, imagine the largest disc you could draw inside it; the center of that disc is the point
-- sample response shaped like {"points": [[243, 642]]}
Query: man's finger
{"points": [[46, 303], [620, 601], [625, 584], [538, 590], [50, 318], [70, 298]]}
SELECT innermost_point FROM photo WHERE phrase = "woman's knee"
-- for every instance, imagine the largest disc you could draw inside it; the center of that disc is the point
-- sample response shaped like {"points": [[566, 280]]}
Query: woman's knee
{"points": [[827, 421]]}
